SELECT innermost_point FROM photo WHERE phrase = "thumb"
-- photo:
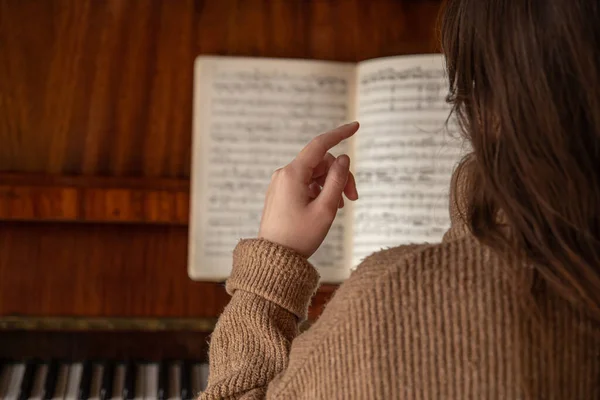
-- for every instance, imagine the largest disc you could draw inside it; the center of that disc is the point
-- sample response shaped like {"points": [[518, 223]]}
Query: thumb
{"points": [[334, 183]]}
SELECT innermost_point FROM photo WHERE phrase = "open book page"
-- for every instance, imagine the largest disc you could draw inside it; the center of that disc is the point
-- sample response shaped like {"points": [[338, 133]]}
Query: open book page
{"points": [[252, 116], [405, 153]]}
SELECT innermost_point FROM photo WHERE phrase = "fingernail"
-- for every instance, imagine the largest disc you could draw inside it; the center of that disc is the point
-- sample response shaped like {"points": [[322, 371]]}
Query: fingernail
{"points": [[352, 123], [344, 160]]}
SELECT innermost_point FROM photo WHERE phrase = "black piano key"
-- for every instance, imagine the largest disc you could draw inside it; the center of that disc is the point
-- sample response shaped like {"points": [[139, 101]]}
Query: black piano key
{"points": [[186, 390], [106, 387], [51, 379], [86, 381], [129, 385], [27, 381], [163, 381]]}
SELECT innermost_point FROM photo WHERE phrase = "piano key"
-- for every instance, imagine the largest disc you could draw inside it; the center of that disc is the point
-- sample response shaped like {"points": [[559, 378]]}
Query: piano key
{"points": [[97, 371], [51, 379], [60, 389], [129, 383], [140, 382], [204, 370], [73, 381], [5, 379], [85, 382], [108, 377], [119, 381], [27, 381], [163, 381], [174, 384], [196, 379], [151, 381], [184, 381], [14, 385], [37, 390]]}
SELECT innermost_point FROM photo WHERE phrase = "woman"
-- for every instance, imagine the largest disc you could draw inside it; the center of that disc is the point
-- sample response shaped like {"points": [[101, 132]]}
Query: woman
{"points": [[507, 305]]}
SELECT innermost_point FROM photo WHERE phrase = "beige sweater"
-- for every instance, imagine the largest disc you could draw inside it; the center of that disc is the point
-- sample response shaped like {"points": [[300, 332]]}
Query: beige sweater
{"points": [[443, 321]]}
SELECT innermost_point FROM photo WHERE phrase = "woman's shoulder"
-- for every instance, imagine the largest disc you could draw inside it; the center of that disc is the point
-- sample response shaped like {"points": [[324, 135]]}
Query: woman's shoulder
{"points": [[426, 265]]}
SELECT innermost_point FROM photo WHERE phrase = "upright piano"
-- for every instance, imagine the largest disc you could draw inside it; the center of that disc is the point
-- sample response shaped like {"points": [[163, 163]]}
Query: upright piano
{"points": [[95, 148]]}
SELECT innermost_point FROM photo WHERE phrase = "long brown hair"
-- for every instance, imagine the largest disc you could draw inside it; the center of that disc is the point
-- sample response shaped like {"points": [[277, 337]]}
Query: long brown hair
{"points": [[525, 87]]}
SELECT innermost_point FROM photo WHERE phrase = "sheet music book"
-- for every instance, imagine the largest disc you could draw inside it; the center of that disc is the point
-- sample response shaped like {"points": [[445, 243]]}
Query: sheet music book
{"points": [[252, 116]]}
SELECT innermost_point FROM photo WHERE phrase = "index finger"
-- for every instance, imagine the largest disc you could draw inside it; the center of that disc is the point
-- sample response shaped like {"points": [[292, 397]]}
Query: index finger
{"points": [[312, 154]]}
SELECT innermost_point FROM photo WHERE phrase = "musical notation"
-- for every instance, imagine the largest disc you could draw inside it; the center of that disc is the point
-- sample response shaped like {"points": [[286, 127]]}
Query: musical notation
{"points": [[406, 152], [413, 74], [281, 87], [390, 177], [229, 102], [259, 118]]}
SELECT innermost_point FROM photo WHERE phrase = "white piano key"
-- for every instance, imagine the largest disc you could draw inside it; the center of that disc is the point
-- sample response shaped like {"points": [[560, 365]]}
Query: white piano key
{"points": [[14, 385], [97, 370], [151, 381], [204, 369], [119, 382], [140, 383], [174, 386], [196, 379], [5, 380], [37, 391], [61, 382], [72, 390]]}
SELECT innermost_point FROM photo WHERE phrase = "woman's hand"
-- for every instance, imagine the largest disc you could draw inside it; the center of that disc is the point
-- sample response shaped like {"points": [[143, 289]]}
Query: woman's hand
{"points": [[304, 196]]}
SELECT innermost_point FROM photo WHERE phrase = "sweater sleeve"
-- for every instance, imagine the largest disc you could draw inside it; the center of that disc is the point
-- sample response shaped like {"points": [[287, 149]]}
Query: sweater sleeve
{"points": [[271, 287]]}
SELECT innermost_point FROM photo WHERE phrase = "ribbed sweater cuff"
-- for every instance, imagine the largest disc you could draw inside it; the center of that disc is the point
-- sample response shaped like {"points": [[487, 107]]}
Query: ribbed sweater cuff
{"points": [[274, 272]]}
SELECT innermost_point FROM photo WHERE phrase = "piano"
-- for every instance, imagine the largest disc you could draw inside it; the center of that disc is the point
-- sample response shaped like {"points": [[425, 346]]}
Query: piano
{"points": [[101, 379], [95, 139]]}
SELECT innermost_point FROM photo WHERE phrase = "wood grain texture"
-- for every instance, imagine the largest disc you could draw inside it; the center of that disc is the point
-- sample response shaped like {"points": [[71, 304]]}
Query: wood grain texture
{"points": [[104, 270], [25, 197], [104, 88]]}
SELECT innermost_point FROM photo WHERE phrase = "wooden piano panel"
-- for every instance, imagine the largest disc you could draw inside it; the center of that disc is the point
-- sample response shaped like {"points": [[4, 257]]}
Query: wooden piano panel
{"points": [[104, 345], [104, 89]]}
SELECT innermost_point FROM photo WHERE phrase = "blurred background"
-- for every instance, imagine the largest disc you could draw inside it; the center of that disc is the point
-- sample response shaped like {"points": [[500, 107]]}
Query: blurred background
{"points": [[95, 145]]}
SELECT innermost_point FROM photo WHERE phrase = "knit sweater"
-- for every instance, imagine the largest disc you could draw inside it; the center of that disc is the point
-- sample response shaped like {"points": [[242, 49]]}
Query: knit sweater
{"points": [[445, 321]]}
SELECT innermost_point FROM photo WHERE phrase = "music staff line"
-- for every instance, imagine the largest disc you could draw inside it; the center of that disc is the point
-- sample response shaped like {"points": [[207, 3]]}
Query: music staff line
{"points": [[391, 143], [389, 137], [237, 232], [279, 75], [291, 113], [414, 233], [232, 186], [376, 217], [365, 113], [423, 180], [366, 104], [396, 170], [258, 161], [439, 156], [231, 222], [384, 89], [408, 74], [225, 200], [247, 149], [275, 126], [398, 122], [401, 206], [243, 87], [233, 137], [265, 103], [378, 194]]}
